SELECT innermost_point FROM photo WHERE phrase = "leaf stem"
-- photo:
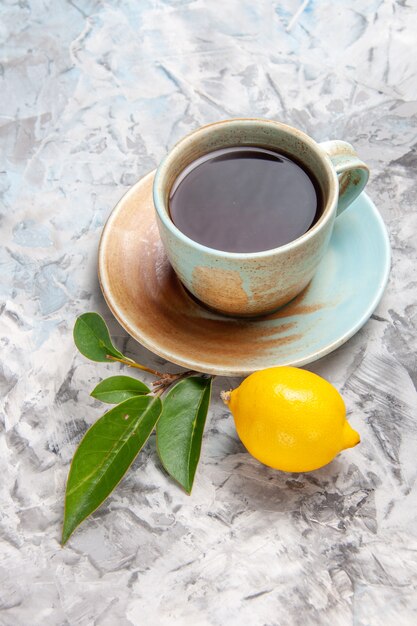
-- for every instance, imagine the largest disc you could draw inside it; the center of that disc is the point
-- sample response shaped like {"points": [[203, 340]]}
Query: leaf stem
{"points": [[163, 379], [131, 363]]}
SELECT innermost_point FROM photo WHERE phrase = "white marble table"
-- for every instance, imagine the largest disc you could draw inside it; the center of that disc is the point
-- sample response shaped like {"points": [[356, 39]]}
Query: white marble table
{"points": [[92, 95]]}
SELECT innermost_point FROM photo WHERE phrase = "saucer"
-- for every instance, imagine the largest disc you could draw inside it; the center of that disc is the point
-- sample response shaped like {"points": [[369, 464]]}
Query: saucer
{"points": [[148, 300]]}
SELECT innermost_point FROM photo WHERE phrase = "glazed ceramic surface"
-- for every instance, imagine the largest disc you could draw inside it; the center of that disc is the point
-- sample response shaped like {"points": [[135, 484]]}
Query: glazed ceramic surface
{"points": [[147, 298], [249, 284]]}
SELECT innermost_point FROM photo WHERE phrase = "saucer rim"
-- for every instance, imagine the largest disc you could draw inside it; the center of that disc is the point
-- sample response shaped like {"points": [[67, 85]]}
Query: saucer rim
{"points": [[218, 371]]}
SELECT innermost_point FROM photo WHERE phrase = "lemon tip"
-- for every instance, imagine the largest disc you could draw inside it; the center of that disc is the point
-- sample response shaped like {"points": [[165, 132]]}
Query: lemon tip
{"points": [[351, 437]]}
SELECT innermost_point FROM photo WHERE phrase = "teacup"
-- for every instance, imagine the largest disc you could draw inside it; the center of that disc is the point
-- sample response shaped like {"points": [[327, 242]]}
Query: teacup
{"points": [[257, 283]]}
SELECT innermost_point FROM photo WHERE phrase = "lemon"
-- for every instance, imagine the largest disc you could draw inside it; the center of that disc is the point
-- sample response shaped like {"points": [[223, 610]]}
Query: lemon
{"points": [[290, 419]]}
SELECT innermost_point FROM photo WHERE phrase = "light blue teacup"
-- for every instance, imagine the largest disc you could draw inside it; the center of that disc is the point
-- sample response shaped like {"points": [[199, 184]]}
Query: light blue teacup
{"points": [[256, 283]]}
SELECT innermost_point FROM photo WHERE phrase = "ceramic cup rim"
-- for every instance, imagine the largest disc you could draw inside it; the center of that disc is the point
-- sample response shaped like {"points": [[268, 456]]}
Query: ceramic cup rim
{"points": [[177, 150]]}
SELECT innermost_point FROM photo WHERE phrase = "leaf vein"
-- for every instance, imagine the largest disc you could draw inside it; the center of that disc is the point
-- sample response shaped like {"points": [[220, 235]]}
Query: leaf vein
{"points": [[112, 453], [193, 429]]}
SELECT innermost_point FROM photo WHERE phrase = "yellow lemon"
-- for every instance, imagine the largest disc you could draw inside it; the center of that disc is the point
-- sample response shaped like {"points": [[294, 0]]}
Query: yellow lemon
{"points": [[290, 419]]}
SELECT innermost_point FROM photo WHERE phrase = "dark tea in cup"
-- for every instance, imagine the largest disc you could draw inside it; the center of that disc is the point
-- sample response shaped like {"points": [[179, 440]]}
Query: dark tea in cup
{"points": [[245, 199]]}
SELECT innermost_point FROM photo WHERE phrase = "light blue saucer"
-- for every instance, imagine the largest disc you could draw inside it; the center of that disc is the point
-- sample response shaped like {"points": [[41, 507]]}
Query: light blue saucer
{"points": [[347, 287], [147, 298]]}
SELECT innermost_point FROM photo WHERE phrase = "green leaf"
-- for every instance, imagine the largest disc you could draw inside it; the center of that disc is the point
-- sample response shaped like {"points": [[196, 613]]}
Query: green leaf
{"points": [[105, 454], [91, 336], [180, 428], [119, 388]]}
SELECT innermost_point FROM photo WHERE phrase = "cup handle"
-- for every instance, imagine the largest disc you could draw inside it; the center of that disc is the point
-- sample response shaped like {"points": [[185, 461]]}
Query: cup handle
{"points": [[353, 173]]}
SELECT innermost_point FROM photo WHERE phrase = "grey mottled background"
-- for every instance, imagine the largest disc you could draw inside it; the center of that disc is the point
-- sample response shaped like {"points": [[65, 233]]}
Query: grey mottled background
{"points": [[92, 94]]}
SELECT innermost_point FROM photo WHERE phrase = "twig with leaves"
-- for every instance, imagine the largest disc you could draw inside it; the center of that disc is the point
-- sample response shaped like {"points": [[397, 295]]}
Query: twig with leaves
{"points": [[177, 407]]}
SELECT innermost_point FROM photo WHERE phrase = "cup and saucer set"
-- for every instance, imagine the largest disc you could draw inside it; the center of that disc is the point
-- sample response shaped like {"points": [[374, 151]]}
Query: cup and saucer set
{"points": [[232, 313]]}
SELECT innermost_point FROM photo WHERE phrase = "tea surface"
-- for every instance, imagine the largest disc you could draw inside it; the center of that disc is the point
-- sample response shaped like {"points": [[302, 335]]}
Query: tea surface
{"points": [[244, 199]]}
